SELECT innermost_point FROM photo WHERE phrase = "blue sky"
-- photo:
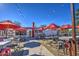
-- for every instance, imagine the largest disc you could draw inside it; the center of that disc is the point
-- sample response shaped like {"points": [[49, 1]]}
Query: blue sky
{"points": [[41, 14]]}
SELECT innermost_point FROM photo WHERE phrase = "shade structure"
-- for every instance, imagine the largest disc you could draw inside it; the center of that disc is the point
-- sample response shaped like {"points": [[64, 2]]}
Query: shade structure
{"points": [[66, 26], [1, 27], [21, 29], [77, 26], [8, 24], [51, 26], [42, 28]]}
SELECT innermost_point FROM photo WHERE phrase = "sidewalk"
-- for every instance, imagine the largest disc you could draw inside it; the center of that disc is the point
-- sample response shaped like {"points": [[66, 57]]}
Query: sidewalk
{"points": [[45, 51]]}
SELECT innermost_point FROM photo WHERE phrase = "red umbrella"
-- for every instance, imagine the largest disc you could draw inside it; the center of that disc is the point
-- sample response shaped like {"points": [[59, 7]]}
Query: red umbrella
{"points": [[77, 26], [52, 26], [21, 29], [66, 26], [8, 24], [41, 29], [1, 27]]}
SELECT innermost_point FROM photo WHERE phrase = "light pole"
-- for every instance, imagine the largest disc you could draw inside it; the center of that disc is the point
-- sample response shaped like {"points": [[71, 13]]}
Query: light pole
{"points": [[73, 41]]}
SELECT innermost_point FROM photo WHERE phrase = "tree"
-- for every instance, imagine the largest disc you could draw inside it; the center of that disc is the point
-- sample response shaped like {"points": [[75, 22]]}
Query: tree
{"points": [[43, 26], [18, 23]]}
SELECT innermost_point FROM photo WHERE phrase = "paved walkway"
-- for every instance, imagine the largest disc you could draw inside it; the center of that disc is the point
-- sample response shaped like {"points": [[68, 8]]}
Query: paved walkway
{"points": [[41, 50]]}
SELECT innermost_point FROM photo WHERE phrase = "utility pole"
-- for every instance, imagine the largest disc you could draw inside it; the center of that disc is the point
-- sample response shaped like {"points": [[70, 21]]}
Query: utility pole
{"points": [[73, 41]]}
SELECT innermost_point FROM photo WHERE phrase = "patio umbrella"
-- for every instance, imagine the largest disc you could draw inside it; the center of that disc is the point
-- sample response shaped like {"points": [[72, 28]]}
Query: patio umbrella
{"points": [[52, 26], [21, 29], [77, 26], [1, 27], [41, 29], [8, 24], [66, 26]]}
